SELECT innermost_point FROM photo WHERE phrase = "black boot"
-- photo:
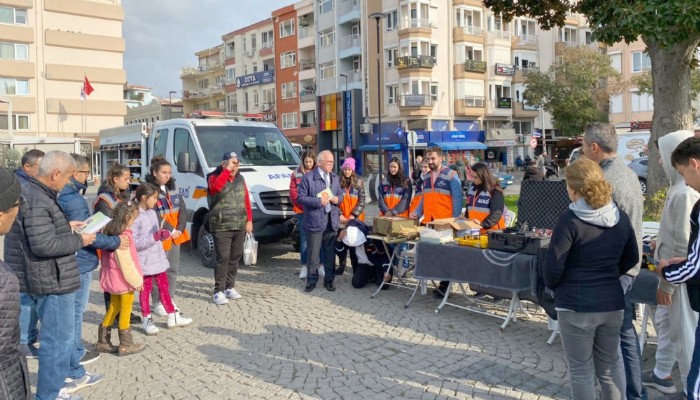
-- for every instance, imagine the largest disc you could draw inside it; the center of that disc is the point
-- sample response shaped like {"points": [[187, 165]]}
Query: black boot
{"points": [[340, 270]]}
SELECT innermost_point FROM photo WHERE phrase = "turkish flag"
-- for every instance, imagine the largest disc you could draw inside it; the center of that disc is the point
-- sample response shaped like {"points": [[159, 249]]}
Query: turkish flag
{"points": [[87, 88]]}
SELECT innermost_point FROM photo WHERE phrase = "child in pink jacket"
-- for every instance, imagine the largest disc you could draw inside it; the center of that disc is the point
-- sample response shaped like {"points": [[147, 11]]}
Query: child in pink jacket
{"points": [[120, 276]]}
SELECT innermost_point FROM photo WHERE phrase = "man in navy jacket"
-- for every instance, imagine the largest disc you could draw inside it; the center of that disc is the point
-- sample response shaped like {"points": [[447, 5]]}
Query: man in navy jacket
{"points": [[321, 218]]}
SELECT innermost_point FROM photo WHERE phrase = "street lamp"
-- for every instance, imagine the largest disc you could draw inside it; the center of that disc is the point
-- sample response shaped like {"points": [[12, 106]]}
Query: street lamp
{"points": [[9, 115], [377, 17], [346, 80], [170, 103]]}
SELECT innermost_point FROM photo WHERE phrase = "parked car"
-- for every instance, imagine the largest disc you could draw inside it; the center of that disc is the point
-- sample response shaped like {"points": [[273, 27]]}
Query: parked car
{"points": [[639, 166], [575, 153], [504, 179]]}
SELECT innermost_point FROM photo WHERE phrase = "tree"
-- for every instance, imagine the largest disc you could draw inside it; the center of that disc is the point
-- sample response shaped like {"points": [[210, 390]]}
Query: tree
{"points": [[576, 90], [669, 28]]}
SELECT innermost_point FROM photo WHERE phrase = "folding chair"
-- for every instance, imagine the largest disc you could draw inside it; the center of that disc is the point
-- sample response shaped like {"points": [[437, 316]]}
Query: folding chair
{"points": [[650, 229]]}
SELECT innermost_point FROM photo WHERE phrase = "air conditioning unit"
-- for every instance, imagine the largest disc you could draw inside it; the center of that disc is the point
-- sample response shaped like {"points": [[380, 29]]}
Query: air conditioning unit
{"points": [[366, 129], [266, 106]]}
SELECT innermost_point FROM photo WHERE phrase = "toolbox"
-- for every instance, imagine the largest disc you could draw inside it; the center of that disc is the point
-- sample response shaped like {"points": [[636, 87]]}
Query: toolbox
{"points": [[515, 241], [391, 226]]}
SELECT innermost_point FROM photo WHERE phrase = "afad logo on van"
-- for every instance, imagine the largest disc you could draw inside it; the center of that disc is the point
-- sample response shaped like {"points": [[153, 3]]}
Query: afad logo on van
{"points": [[198, 193], [279, 176]]}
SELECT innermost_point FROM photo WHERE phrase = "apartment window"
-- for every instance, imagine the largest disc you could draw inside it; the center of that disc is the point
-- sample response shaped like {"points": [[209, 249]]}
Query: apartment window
{"points": [[392, 19], [289, 121], [640, 61], [325, 6], [20, 122], [287, 28], [289, 90], [392, 95], [253, 41], [391, 56], [288, 59], [15, 16], [473, 54], [589, 37], [327, 70], [256, 99], [569, 35], [496, 23], [434, 91], [499, 91], [245, 45], [433, 53], [616, 104], [203, 84], [327, 37], [616, 61], [641, 101], [14, 86], [13, 51], [255, 66], [268, 96], [469, 18], [267, 39]]}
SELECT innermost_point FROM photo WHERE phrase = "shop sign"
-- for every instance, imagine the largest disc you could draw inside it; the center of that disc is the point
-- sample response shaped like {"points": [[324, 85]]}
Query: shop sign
{"points": [[504, 102], [500, 143], [257, 78], [640, 125], [505, 69]]}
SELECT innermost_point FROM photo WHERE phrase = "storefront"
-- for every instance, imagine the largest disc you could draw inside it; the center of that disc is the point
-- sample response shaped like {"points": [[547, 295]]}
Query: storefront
{"points": [[460, 145], [340, 116], [394, 144], [501, 144]]}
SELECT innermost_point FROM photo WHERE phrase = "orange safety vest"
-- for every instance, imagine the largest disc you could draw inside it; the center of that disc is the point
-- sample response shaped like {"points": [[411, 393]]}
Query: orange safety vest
{"points": [[437, 197], [392, 197], [417, 195], [478, 206], [350, 200], [294, 182], [170, 212]]}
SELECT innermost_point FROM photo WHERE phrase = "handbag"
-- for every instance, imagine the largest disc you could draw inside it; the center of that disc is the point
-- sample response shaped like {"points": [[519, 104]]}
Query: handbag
{"points": [[250, 250]]}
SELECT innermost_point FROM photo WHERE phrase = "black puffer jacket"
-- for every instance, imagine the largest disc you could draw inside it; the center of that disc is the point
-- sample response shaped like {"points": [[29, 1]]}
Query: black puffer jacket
{"points": [[14, 378], [41, 246]]}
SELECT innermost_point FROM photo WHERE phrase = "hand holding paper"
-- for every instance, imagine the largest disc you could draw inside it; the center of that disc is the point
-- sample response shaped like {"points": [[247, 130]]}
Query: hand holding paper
{"points": [[94, 223]]}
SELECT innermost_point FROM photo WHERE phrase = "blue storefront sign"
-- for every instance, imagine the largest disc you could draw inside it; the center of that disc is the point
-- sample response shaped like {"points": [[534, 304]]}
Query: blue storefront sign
{"points": [[257, 78]]}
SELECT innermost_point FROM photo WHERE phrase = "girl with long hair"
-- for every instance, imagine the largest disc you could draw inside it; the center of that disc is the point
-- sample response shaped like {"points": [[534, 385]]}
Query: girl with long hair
{"points": [[351, 208], [485, 200], [395, 192], [308, 163]]}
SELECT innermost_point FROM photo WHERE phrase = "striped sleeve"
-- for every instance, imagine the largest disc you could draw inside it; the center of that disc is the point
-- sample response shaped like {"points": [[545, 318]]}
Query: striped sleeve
{"points": [[688, 269]]}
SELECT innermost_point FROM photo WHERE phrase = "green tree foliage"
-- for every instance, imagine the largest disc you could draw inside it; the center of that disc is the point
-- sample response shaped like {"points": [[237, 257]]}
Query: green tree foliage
{"points": [[576, 90], [669, 28]]}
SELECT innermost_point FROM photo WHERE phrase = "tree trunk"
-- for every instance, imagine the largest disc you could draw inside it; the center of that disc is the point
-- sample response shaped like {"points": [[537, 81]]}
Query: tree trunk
{"points": [[672, 101]]}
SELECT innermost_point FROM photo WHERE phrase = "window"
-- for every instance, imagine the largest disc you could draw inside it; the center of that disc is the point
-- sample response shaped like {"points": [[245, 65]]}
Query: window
{"points": [[391, 56], [641, 101], [289, 90], [327, 70], [433, 53], [267, 39], [326, 37], [256, 99], [325, 6], [182, 143], [18, 87], [268, 96], [568, 35], [289, 121], [616, 104], [20, 122], [245, 46], [255, 66], [434, 91], [392, 94], [589, 37], [288, 59], [13, 51], [473, 54], [640, 61], [15, 16], [230, 76], [392, 18], [253, 41], [287, 28], [616, 61], [160, 143]]}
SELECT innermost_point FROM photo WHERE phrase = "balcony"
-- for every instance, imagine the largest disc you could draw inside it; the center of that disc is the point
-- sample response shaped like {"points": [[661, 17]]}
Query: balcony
{"points": [[267, 49], [309, 124], [413, 62], [560, 47], [498, 35], [524, 110], [475, 66], [522, 73], [306, 96], [475, 3], [194, 71], [416, 104], [415, 27], [348, 10], [354, 75], [502, 107], [469, 33], [470, 106], [525, 42], [349, 46]]}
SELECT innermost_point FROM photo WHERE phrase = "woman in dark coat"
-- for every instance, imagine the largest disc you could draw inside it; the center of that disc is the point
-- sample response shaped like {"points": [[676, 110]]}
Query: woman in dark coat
{"points": [[14, 377]]}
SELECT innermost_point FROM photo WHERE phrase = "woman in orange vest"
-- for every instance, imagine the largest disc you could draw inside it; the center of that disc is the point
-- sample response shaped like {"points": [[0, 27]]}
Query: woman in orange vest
{"points": [[418, 186], [308, 163], [172, 216], [485, 201], [395, 192], [352, 207]]}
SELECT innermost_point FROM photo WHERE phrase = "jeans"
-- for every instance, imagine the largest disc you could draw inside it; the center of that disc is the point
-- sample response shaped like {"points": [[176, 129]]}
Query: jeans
{"points": [[173, 256], [81, 300], [590, 343], [57, 316], [629, 345], [28, 332], [303, 244]]}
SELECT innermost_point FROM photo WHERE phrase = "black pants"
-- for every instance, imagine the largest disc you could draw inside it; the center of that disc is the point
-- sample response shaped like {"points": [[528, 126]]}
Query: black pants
{"points": [[229, 251], [364, 274]]}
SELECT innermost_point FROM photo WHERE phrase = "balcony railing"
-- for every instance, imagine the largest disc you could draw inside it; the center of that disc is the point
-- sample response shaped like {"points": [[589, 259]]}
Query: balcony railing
{"points": [[499, 35], [307, 96], [267, 45], [569, 43], [416, 100], [307, 31], [349, 41], [415, 62], [474, 101], [348, 6], [475, 66], [528, 39], [308, 124], [305, 65], [416, 23], [354, 75], [473, 30], [526, 71]]}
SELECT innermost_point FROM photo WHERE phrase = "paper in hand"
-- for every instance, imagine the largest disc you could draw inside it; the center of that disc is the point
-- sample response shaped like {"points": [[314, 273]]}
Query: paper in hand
{"points": [[327, 191], [94, 223]]}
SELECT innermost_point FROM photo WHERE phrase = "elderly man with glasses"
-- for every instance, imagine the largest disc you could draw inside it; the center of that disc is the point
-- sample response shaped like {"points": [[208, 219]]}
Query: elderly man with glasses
{"points": [[320, 194]]}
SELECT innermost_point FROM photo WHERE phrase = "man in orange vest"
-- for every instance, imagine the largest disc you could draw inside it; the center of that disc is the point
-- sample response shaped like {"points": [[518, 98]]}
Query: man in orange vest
{"points": [[442, 190]]}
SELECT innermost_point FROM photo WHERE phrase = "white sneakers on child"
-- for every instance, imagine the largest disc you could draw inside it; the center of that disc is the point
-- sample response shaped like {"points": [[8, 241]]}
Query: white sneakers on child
{"points": [[220, 299], [149, 328], [304, 272], [159, 310], [232, 294], [176, 320]]}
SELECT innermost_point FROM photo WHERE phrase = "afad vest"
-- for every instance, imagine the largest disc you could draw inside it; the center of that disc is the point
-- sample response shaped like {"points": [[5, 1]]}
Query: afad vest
{"points": [[228, 211], [415, 200], [478, 205], [168, 208], [392, 197], [350, 200], [437, 197]]}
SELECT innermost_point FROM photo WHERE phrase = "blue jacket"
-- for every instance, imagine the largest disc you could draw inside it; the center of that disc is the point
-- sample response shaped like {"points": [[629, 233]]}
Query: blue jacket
{"points": [[75, 207], [22, 176], [311, 184]]}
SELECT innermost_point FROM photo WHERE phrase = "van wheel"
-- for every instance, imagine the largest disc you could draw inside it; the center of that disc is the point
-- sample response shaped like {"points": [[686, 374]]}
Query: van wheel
{"points": [[206, 248]]}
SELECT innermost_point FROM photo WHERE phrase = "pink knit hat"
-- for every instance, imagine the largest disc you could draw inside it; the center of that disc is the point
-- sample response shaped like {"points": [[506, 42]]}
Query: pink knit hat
{"points": [[349, 163]]}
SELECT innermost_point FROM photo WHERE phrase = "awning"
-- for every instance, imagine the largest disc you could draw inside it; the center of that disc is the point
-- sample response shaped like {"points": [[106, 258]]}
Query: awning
{"points": [[374, 147], [459, 145]]}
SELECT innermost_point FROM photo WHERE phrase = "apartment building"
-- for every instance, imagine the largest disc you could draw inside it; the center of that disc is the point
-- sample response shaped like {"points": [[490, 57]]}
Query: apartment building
{"points": [[203, 90], [47, 48], [631, 61], [295, 57]]}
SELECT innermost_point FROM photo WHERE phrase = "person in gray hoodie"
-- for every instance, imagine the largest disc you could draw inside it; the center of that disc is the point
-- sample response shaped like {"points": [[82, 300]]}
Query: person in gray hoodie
{"points": [[675, 320], [593, 244], [600, 145]]}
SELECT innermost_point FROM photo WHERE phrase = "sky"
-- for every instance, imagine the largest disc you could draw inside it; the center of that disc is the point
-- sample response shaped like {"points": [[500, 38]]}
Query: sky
{"points": [[163, 35]]}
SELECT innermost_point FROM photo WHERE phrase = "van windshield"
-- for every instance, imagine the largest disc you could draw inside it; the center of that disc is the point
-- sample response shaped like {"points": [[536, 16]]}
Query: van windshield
{"points": [[258, 146]]}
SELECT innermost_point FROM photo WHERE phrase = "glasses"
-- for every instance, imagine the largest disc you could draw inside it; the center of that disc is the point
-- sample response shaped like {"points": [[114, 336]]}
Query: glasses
{"points": [[85, 172]]}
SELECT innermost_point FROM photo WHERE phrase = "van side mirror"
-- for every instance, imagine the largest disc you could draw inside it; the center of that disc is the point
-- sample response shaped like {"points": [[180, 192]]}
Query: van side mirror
{"points": [[183, 162]]}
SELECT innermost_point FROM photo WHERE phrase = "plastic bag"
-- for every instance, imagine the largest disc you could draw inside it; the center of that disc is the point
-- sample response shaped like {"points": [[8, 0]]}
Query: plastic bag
{"points": [[250, 250]]}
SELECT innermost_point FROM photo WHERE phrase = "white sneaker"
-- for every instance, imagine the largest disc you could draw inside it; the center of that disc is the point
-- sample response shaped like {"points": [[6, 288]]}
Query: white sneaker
{"points": [[220, 299], [321, 271], [73, 385], [232, 294], [64, 395], [149, 328], [176, 320], [159, 310], [304, 272]]}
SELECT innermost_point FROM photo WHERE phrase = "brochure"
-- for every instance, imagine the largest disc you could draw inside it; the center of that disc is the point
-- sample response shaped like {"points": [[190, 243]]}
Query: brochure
{"points": [[327, 191], [94, 223]]}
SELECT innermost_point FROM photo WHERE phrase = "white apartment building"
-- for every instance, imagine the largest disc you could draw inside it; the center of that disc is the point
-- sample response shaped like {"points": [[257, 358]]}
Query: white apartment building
{"points": [[203, 89]]}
